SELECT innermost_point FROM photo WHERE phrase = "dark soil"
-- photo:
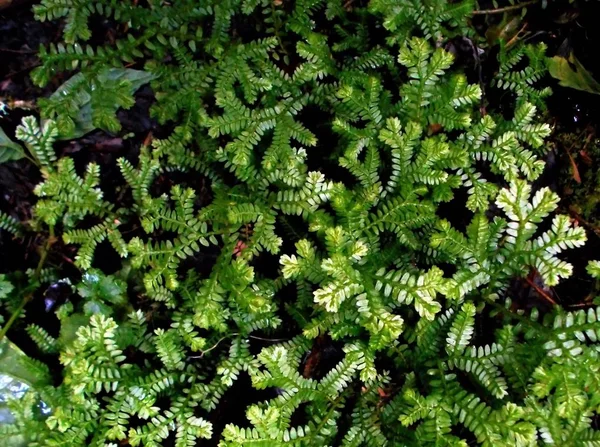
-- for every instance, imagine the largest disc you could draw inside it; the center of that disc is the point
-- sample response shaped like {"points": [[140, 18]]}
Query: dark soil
{"points": [[569, 28], [20, 37], [561, 26], [574, 115]]}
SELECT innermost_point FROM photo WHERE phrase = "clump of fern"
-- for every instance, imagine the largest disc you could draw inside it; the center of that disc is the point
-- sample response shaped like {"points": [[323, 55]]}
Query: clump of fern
{"points": [[332, 135]]}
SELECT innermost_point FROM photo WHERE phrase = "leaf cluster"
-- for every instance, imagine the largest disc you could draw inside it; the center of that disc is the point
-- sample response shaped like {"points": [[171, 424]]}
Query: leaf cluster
{"points": [[333, 137]]}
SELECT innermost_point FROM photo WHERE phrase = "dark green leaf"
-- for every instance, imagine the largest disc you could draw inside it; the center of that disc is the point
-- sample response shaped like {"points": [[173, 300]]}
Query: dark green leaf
{"points": [[9, 150], [11, 364], [69, 326], [79, 89]]}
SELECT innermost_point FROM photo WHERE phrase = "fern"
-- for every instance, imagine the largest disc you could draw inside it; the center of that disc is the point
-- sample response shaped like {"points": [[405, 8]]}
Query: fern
{"points": [[10, 224], [306, 251]]}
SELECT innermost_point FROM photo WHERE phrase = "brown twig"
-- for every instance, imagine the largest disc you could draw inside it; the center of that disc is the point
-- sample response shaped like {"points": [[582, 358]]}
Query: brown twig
{"points": [[541, 292], [67, 259], [505, 9], [580, 219], [516, 37], [148, 140], [271, 340], [574, 168], [8, 50], [581, 305]]}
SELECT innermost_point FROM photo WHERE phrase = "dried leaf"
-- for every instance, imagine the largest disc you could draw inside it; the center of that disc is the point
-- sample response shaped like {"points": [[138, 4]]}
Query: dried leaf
{"points": [[576, 175], [585, 157], [571, 73]]}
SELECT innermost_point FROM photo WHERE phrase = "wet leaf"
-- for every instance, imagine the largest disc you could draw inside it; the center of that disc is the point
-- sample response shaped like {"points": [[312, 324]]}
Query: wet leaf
{"points": [[9, 150], [17, 379], [78, 89], [99, 291], [12, 364], [571, 73], [69, 327]]}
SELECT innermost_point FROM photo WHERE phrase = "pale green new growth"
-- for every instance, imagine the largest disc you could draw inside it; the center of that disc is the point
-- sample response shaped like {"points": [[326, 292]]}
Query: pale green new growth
{"points": [[330, 218]]}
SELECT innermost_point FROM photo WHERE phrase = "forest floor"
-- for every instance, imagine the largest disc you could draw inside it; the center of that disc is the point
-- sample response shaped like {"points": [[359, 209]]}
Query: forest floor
{"points": [[573, 161]]}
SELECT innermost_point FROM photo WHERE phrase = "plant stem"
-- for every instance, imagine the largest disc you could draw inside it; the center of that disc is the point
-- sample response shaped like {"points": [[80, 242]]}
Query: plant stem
{"points": [[213, 346], [44, 254], [541, 292], [522, 318], [505, 9], [272, 340], [14, 317], [35, 277], [330, 411], [8, 50], [276, 26], [586, 223]]}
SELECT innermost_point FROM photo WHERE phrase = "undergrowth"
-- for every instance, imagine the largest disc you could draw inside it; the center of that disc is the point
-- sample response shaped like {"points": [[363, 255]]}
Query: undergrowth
{"points": [[367, 212]]}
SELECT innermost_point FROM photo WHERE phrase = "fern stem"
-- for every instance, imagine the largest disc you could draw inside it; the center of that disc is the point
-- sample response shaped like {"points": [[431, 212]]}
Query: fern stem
{"points": [[35, 277], [541, 292], [334, 405], [522, 318], [213, 346], [14, 316], [505, 9], [254, 337], [29, 157], [573, 212], [8, 50], [44, 253], [270, 340], [276, 28]]}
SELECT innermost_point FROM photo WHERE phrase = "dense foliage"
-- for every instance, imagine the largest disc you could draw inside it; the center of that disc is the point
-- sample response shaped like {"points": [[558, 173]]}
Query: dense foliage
{"points": [[340, 141]]}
